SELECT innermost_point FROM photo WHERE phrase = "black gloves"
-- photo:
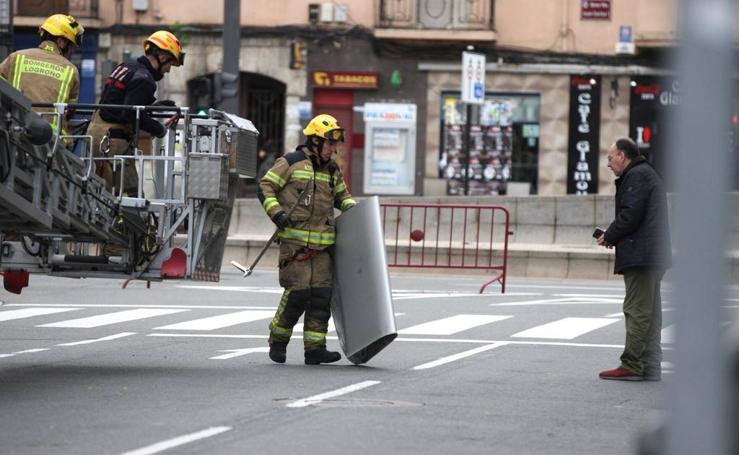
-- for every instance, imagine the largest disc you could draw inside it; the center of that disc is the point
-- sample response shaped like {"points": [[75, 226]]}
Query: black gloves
{"points": [[164, 103], [281, 219]]}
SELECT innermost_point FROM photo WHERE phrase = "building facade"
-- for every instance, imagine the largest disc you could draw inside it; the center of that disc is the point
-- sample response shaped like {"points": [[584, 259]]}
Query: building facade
{"points": [[562, 80]]}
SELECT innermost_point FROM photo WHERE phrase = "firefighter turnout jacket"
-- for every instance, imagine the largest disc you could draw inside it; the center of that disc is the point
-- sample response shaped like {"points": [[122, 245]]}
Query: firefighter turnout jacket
{"points": [[132, 84], [43, 75], [298, 178]]}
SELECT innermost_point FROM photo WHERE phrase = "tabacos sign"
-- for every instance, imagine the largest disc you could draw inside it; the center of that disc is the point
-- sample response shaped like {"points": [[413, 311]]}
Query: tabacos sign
{"points": [[345, 79], [584, 135]]}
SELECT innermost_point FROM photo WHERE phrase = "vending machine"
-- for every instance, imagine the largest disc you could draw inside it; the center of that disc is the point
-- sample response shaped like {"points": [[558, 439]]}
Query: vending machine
{"points": [[389, 148]]}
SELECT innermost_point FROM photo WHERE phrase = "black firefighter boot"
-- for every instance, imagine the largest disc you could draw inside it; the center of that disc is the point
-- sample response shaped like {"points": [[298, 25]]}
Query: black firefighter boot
{"points": [[278, 352], [321, 355]]}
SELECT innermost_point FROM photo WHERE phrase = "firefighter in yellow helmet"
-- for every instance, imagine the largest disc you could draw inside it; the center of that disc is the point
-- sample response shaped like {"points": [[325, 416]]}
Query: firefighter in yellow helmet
{"points": [[299, 193], [132, 84], [45, 74]]}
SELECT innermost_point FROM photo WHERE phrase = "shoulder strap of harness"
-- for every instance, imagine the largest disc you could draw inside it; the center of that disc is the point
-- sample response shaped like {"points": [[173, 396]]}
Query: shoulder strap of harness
{"points": [[294, 157]]}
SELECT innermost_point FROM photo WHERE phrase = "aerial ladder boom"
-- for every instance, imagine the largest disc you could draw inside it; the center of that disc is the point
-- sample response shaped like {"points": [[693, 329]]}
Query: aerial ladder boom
{"points": [[58, 218]]}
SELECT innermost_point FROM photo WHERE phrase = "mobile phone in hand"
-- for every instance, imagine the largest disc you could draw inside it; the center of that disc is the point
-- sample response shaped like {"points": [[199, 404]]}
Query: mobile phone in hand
{"points": [[597, 233]]}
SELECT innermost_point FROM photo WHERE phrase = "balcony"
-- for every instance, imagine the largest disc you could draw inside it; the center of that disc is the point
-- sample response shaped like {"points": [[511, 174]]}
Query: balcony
{"points": [[43, 8], [27, 9], [437, 20]]}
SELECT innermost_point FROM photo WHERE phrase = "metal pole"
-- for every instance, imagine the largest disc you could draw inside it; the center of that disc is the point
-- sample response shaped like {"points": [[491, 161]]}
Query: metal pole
{"points": [[467, 147], [699, 397], [231, 50], [6, 28]]}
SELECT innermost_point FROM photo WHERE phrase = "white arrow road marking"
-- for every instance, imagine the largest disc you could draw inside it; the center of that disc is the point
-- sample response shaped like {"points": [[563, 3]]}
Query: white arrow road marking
{"points": [[315, 399], [238, 353], [178, 441]]}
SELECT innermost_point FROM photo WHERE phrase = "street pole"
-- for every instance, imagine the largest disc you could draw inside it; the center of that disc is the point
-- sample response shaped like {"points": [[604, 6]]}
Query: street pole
{"points": [[231, 51], [467, 148], [6, 28], [700, 422]]}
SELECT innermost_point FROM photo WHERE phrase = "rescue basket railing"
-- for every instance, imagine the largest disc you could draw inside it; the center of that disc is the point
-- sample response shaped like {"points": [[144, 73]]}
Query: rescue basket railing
{"points": [[448, 236]]}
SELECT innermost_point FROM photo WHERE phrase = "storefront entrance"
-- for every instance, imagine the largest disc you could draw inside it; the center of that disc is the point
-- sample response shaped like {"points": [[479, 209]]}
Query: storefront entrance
{"points": [[340, 104]]}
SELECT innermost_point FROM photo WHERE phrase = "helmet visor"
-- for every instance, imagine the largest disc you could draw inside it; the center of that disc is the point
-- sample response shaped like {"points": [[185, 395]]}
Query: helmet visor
{"points": [[336, 135]]}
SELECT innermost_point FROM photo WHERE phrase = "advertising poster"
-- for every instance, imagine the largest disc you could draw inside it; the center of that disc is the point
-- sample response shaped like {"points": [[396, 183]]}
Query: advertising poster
{"points": [[584, 135]]}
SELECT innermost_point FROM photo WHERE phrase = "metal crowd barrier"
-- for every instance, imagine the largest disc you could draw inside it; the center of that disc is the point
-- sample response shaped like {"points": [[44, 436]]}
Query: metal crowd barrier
{"points": [[448, 237]]}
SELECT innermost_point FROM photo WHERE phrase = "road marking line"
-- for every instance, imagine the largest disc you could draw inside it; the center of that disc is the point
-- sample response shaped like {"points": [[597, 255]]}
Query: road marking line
{"points": [[112, 318], [220, 321], [614, 315], [115, 305], [614, 296], [563, 301], [668, 334], [315, 399], [26, 351], [237, 353], [565, 329], [9, 315], [413, 340], [568, 288], [234, 288], [31, 351], [95, 340], [178, 441], [209, 335], [461, 355], [452, 325]]}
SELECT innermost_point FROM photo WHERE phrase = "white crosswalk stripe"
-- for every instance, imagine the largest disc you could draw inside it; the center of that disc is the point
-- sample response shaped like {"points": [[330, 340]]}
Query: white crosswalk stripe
{"points": [[112, 318], [452, 325], [668, 334], [9, 315], [220, 321], [565, 329]]}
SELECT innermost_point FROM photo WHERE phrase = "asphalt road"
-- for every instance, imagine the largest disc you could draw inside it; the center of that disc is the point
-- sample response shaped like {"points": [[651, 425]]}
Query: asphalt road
{"points": [[89, 368]]}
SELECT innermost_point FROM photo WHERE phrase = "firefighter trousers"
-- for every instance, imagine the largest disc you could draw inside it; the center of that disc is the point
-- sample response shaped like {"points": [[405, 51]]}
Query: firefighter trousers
{"points": [[306, 277], [108, 140]]}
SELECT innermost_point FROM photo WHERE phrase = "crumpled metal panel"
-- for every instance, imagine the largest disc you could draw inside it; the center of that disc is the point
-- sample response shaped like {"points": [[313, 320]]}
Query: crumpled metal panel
{"points": [[362, 303]]}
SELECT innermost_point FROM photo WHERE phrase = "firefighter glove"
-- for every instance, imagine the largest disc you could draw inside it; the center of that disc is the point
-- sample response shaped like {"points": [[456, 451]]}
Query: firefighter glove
{"points": [[281, 220]]}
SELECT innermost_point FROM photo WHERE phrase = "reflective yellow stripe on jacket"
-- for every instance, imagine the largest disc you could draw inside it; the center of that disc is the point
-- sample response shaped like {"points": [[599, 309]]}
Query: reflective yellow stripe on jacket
{"points": [[309, 237], [17, 71], [269, 203]]}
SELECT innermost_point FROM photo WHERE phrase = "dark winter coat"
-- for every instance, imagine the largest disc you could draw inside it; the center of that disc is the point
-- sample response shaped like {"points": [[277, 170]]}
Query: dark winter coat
{"points": [[132, 84], [641, 231]]}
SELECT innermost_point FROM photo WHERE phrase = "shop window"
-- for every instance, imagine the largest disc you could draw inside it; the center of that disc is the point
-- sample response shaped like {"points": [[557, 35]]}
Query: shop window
{"points": [[504, 145]]}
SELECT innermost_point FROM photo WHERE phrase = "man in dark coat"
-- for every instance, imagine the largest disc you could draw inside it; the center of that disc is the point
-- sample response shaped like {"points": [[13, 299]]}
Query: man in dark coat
{"points": [[641, 235]]}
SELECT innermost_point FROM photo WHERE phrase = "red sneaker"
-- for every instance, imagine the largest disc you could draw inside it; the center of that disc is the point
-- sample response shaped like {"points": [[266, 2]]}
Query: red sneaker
{"points": [[621, 374]]}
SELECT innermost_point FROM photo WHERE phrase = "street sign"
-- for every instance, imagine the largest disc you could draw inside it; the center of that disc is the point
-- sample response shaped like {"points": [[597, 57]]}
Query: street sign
{"points": [[625, 43], [473, 78]]}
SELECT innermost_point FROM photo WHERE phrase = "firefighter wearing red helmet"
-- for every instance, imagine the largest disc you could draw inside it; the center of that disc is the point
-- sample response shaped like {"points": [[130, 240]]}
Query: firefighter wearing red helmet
{"points": [[45, 74], [132, 84], [307, 184]]}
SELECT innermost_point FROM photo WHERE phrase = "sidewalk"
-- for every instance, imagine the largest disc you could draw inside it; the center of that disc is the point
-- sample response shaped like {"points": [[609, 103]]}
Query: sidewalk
{"points": [[551, 235]]}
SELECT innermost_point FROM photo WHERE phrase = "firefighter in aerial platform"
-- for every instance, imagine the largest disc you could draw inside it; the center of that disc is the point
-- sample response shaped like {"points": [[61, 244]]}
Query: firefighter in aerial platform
{"points": [[132, 84], [299, 194], [45, 74]]}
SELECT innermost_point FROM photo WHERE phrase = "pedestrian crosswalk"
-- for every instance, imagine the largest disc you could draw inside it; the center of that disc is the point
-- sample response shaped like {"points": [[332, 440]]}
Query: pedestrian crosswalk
{"points": [[252, 321], [113, 318], [565, 329]]}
